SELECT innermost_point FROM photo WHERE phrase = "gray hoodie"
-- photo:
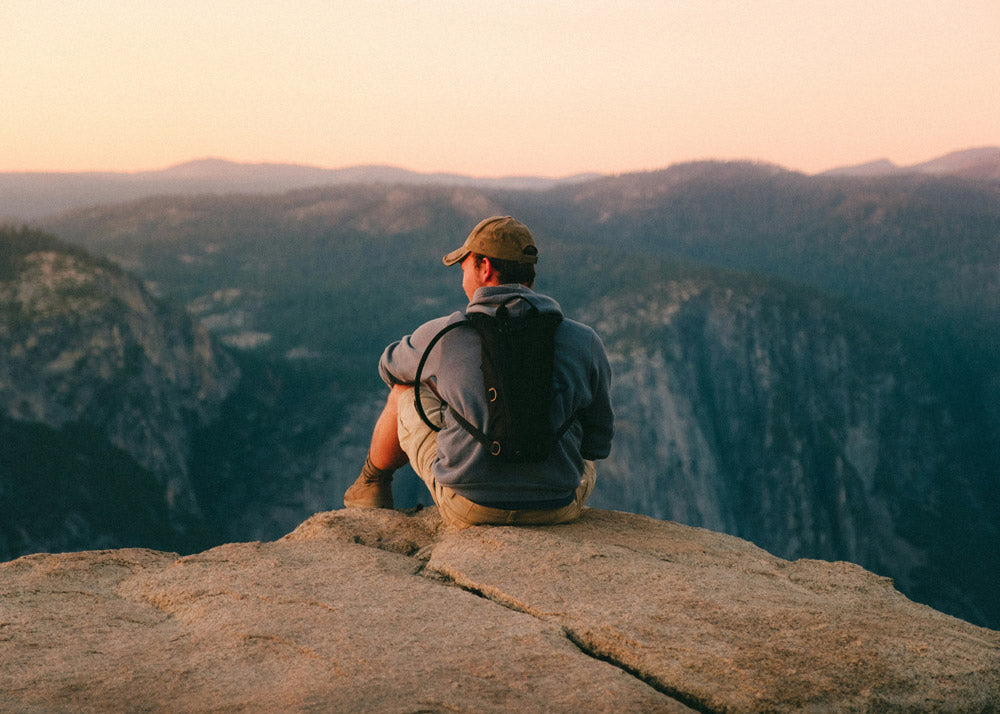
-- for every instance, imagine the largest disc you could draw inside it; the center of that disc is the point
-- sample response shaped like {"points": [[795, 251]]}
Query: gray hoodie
{"points": [[582, 378]]}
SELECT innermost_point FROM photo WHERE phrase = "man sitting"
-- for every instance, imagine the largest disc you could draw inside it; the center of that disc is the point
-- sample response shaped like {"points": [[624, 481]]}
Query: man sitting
{"points": [[468, 484]]}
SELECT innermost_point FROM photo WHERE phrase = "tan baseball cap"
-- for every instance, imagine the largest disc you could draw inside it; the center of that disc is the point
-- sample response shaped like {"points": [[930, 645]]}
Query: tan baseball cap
{"points": [[499, 237]]}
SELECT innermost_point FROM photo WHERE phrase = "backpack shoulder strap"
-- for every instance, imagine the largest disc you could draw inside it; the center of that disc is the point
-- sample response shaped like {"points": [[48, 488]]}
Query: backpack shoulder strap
{"points": [[416, 385]]}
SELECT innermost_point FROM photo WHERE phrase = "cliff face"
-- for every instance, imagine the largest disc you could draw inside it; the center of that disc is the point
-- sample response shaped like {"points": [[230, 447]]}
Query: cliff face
{"points": [[384, 611], [786, 421], [88, 357]]}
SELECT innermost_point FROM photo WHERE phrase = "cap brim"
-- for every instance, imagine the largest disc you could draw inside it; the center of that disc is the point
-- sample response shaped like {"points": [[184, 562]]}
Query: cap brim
{"points": [[456, 256]]}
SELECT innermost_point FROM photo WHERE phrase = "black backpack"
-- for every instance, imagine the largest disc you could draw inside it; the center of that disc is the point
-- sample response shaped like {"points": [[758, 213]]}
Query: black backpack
{"points": [[517, 359]]}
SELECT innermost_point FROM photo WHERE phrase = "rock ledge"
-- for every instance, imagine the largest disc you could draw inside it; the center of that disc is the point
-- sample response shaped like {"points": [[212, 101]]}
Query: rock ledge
{"points": [[388, 611]]}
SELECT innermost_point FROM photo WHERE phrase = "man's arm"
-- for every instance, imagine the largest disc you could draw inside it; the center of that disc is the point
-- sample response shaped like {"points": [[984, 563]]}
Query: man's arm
{"points": [[598, 419], [398, 364]]}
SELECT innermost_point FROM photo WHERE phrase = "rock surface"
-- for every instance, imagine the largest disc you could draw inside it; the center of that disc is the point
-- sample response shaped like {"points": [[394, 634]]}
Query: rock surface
{"points": [[388, 611]]}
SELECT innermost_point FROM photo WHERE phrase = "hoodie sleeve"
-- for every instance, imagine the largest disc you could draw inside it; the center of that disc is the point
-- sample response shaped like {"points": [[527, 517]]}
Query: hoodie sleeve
{"points": [[597, 418], [399, 361]]}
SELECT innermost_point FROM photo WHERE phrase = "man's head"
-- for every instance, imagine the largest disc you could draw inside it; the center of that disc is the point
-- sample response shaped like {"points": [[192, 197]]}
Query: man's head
{"points": [[499, 250], [499, 238]]}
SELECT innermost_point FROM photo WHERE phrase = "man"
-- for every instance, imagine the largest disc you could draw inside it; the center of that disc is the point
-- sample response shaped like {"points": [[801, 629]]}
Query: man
{"points": [[468, 485]]}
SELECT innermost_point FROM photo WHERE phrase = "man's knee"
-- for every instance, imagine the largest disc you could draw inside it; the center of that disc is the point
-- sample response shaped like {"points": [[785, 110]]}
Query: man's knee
{"points": [[395, 392], [385, 450]]}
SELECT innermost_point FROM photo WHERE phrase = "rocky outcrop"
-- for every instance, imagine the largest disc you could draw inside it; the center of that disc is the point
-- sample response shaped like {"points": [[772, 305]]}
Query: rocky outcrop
{"points": [[387, 611], [97, 377], [83, 341]]}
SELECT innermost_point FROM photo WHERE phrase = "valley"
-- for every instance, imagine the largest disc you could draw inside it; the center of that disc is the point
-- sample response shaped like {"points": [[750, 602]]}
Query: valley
{"points": [[810, 363]]}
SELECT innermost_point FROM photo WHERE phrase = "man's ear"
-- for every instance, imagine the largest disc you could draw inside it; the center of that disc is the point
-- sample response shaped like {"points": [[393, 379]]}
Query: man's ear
{"points": [[486, 271]]}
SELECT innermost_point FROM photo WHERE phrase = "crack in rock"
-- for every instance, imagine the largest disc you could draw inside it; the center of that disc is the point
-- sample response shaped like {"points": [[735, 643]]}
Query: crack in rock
{"points": [[683, 697], [704, 621], [499, 598]]}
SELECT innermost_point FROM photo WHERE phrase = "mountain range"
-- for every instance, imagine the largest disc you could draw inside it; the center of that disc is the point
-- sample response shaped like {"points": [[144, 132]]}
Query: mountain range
{"points": [[807, 362], [28, 196], [981, 164]]}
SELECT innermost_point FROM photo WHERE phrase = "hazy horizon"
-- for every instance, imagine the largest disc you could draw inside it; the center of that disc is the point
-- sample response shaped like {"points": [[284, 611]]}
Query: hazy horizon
{"points": [[307, 165], [488, 88]]}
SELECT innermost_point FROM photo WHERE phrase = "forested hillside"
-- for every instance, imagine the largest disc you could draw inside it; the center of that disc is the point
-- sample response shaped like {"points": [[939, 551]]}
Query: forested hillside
{"points": [[922, 250]]}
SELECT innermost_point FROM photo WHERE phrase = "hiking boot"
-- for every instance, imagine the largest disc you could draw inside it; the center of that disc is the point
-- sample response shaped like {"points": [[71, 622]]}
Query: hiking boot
{"points": [[372, 489]]}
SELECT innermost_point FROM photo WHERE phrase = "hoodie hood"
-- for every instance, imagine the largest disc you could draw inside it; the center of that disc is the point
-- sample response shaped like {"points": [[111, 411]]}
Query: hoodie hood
{"points": [[517, 298]]}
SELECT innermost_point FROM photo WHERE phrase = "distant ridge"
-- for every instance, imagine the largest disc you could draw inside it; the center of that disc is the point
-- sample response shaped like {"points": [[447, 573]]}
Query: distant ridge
{"points": [[27, 196], [214, 169], [981, 164], [879, 167]]}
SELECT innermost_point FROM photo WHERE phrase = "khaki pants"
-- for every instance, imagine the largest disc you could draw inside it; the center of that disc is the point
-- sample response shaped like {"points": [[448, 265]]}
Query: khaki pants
{"points": [[419, 442]]}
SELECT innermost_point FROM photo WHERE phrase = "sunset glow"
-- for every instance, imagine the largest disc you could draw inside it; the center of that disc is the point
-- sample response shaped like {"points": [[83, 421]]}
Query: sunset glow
{"points": [[495, 88]]}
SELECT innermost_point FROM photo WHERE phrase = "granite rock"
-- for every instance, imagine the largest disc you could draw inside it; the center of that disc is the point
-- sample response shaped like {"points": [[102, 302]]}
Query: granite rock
{"points": [[392, 611]]}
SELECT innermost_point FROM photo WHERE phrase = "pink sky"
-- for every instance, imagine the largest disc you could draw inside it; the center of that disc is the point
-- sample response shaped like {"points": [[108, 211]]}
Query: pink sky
{"points": [[491, 87]]}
